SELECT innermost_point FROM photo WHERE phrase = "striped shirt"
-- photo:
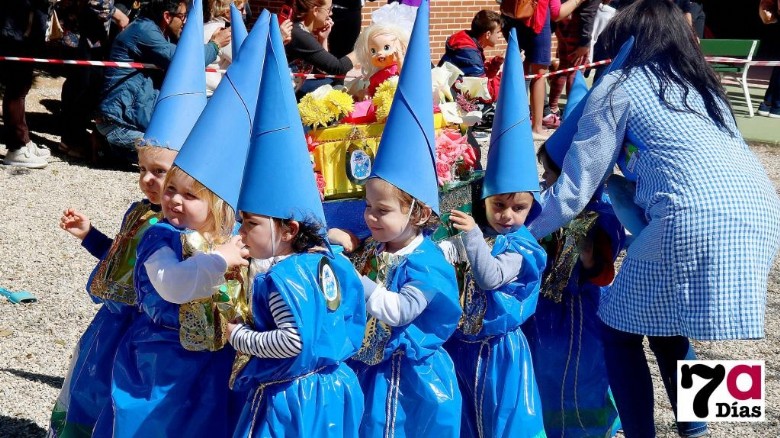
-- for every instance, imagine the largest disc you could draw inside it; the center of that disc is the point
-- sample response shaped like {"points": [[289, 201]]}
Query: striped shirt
{"points": [[282, 343]]}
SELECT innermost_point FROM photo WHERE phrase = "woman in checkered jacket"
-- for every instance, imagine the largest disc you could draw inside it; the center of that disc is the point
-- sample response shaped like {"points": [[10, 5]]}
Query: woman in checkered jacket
{"points": [[699, 268]]}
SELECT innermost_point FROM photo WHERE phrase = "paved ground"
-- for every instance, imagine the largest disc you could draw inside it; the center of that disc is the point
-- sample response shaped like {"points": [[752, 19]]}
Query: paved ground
{"points": [[36, 340]]}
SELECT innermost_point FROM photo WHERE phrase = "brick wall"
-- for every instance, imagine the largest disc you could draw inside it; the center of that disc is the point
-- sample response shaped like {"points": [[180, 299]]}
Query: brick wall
{"points": [[447, 17]]}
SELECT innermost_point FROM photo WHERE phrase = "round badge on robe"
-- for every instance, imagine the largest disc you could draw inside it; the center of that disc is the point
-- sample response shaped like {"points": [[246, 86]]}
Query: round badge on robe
{"points": [[359, 161], [329, 284]]}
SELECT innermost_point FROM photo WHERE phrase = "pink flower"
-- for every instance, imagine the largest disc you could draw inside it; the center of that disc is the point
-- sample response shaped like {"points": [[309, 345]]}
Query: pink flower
{"points": [[443, 173]]}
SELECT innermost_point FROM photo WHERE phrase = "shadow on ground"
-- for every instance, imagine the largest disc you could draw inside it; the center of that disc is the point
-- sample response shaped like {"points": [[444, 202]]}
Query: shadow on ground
{"points": [[20, 427], [54, 382]]}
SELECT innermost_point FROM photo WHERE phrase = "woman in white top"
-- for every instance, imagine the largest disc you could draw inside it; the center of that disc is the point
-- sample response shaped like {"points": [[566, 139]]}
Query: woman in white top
{"points": [[218, 14]]}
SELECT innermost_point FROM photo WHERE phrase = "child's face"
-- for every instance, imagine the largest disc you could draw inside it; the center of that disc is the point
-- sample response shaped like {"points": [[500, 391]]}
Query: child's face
{"points": [[491, 38], [153, 165], [384, 217], [182, 205], [507, 212], [383, 50], [549, 175], [260, 235]]}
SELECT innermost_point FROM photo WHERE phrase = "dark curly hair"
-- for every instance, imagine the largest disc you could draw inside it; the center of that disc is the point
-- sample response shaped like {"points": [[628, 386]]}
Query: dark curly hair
{"points": [[310, 234]]}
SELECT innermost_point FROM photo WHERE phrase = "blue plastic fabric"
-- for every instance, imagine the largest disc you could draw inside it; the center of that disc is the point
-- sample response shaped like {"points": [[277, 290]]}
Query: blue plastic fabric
{"points": [[568, 352], [314, 393], [413, 390], [86, 389], [494, 366], [158, 387]]}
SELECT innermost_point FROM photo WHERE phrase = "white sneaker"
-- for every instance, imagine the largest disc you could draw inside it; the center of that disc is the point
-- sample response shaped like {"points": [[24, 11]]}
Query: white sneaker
{"points": [[41, 151], [25, 157]]}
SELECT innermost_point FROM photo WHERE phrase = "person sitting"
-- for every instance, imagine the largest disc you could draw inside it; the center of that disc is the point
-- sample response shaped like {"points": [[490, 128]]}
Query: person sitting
{"points": [[130, 94], [466, 49], [307, 52]]}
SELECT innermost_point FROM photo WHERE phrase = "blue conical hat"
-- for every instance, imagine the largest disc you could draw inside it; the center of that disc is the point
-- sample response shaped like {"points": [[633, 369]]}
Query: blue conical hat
{"points": [[407, 151], [278, 178], [511, 163], [577, 92], [183, 93], [215, 151], [238, 29], [559, 143]]}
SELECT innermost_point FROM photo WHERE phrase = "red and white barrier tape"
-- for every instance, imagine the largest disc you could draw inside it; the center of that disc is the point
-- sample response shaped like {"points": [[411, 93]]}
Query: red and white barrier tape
{"points": [[727, 60], [135, 65], [140, 65], [569, 70]]}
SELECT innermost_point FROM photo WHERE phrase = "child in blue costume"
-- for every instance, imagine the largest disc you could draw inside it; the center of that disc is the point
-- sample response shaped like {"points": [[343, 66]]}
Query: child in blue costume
{"points": [[171, 374], [306, 315], [410, 290], [565, 334], [502, 266], [86, 391], [172, 370]]}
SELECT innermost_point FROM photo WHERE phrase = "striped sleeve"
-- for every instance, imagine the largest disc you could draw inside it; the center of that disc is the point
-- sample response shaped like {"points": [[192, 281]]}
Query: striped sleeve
{"points": [[282, 343]]}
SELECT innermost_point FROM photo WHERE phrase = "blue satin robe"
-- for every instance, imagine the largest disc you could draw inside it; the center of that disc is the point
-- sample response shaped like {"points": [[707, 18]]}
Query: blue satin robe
{"points": [[568, 353], [412, 390], [86, 390], [314, 393], [491, 354], [158, 387]]}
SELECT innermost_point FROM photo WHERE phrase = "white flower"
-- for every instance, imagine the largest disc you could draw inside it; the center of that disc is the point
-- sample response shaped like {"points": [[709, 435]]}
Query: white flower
{"points": [[474, 87]]}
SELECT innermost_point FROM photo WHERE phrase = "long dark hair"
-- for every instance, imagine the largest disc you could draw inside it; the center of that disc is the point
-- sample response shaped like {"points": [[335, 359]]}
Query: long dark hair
{"points": [[666, 46]]}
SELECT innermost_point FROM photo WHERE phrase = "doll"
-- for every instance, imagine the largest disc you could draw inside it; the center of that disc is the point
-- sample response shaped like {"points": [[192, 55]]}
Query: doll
{"points": [[380, 49]]}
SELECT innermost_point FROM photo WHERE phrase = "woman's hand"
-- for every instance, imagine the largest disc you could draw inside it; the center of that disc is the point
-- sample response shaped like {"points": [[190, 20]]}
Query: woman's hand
{"points": [[286, 27], [322, 33], [462, 221], [234, 252], [76, 223]]}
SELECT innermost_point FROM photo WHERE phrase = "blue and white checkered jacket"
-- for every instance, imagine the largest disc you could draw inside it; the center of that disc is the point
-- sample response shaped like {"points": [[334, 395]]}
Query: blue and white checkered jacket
{"points": [[700, 267]]}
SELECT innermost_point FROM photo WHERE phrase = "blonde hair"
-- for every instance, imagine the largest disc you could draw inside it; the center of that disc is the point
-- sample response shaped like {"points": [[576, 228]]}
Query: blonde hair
{"points": [[364, 54], [221, 218], [151, 151], [219, 8]]}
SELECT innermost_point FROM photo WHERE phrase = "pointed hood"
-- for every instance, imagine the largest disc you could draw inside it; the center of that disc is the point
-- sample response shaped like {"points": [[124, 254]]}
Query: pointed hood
{"points": [[183, 93], [407, 150], [238, 31], [215, 151], [559, 143], [511, 162], [278, 178], [577, 92]]}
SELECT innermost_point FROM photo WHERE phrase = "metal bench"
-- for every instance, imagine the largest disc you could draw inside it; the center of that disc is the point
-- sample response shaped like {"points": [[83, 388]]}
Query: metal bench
{"points": [[743, 49]]}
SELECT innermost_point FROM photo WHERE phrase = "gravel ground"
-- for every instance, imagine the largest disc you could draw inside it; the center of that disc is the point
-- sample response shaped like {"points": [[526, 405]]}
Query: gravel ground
{"points": [[36, 340]]}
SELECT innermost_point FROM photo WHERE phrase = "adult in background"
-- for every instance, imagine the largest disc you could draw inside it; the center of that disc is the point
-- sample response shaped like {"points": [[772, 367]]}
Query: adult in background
{"points": [[130, 94], [699, 267], [307, 52], [347, 18], [81, 89], [535, 39], [22, 31]]}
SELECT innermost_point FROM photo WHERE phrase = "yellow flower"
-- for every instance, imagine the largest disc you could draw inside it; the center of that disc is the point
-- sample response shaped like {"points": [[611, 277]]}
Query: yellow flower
{"points": [[383, 98], [339, 103], [314, 112]]}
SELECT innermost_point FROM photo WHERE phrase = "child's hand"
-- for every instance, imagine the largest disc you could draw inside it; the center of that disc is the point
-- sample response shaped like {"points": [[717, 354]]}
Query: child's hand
{"points": [[75, 223], [234, 252], [462, 221], [344, 238]]}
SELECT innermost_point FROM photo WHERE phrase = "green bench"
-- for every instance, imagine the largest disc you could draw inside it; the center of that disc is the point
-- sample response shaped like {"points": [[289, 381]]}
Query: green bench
{"points": [[744, 49]]}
